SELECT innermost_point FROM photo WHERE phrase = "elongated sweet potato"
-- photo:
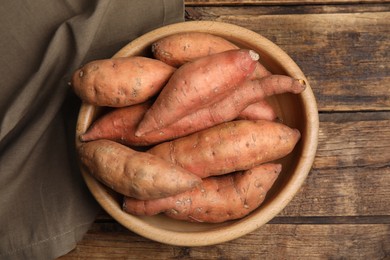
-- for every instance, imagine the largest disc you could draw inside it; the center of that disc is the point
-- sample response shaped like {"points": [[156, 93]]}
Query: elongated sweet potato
{"points": [[232, 146], [258, 110], [260, 71], [120, 125], [217, 199], [179, 48], [135, 174], [233, 106], [121, 81], [196, 85]]}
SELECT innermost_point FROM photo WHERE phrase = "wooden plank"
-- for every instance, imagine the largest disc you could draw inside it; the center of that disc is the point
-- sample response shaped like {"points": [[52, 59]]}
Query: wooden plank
{"points": [[276, 2], [343, 192], [212, 12], [299, 220], [348, 68], [353, 144], [351, 171], [272, 241]]}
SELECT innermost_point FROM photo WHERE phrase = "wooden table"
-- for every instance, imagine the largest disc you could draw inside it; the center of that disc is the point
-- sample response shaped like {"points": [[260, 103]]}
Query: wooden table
{"points": [[343, 209]]}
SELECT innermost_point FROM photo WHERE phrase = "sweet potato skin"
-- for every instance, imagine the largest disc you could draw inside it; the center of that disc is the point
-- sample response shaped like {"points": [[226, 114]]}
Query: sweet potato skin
{"points": [[135, 174], [121, 81], [180, 48], [231, 146], [217, 199], [196, 85], [119, 125], [257, 111]]}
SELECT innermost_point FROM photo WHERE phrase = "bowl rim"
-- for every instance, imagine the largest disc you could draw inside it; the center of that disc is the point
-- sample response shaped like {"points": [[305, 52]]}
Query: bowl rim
{"points": [[267, 212]]}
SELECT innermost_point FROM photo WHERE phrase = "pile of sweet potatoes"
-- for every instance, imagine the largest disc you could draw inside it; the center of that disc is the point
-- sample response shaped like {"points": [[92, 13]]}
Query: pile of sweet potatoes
{"points": [[189, 132]]}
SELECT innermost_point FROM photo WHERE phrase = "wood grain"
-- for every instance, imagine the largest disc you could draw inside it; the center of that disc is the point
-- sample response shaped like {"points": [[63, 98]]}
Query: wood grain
{"points": [[354, 144], [272, 241], [351, 171], [348, 70]]}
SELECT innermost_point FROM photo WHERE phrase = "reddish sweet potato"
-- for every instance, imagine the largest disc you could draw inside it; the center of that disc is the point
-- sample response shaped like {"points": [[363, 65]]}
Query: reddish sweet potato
{"points": [[232, 146], [135, 174], [258, 110], [120, 82], [260, 71], [120, 125], [196, 85], [218, 199], [231, 107]]}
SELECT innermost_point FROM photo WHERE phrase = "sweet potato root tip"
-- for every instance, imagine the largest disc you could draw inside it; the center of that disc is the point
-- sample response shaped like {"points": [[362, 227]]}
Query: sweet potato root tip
{"points": [[302, 82], [254, 55]]}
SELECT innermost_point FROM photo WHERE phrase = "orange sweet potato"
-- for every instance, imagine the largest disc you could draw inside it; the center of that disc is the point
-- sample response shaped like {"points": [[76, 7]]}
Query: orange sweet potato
{"points": [[228, 147], [179, 48], [217, 199], [196, 85], [135, 174], [121, 81]]}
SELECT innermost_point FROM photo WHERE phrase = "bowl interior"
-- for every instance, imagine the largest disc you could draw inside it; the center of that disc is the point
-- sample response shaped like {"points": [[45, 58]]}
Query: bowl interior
{"points": [[296, 111]]}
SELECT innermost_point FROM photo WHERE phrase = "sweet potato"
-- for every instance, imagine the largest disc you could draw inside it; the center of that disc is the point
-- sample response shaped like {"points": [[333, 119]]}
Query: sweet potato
{"points": [[233, 106], [196, 85], [217, 199], [135, 174], [258, 110], [179, 48], [120, 125], [232, 146], [260, 71], [121, 81]]}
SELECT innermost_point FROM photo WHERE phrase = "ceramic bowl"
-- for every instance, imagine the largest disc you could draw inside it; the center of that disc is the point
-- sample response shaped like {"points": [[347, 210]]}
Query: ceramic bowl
{"points": [[297, 111]]}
